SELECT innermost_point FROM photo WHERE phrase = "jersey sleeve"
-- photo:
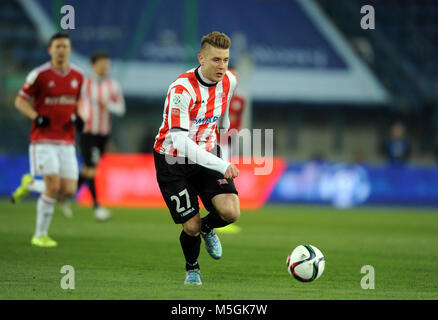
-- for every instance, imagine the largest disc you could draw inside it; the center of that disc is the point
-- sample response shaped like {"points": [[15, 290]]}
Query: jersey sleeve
{"points": [[179, 106], [84, 101], [116, 103], [224, 121], [29, 88]]}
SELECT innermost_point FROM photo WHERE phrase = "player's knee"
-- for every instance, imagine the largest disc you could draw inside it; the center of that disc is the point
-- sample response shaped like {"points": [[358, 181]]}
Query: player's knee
{"points": [[68, 193], [230, 210], [192, 230], [192, 227], [52, 189], [88, 172]]}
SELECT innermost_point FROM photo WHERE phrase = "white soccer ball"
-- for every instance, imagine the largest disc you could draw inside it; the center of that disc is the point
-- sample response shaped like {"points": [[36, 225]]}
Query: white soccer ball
{"points": [[305, 263]]}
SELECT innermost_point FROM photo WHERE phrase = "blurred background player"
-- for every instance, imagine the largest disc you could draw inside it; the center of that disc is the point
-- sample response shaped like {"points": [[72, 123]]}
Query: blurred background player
{"points": [[235, 114], [101, 96], [192, 112], [396, 147], [55, 89]]}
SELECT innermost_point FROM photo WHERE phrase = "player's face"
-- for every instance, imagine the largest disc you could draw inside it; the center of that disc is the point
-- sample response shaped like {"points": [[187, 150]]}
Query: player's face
{"points": [[214, 62], [60, 50], [101, 67]]}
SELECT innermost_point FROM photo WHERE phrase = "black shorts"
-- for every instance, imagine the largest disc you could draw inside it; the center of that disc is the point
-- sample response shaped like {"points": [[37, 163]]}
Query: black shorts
{"points": [[92, 147], [181, 184]]}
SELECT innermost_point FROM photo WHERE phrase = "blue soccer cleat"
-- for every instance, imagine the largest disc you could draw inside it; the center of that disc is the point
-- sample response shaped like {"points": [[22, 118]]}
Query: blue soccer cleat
{"points": [[193, 277], [212, 244]]}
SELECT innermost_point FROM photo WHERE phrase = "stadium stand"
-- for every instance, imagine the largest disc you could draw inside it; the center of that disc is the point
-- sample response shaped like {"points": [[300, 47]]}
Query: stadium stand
{"points": [[405, 47]]}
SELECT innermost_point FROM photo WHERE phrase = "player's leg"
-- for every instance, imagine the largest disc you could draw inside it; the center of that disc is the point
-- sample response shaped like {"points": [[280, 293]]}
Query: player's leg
{"points": [[69, 177], [182, 200], [226, 210], [219, 196], [92, 149], [23, 189], [190, 240], [89, 176], [90, 154], [227, 154], [28, 182], [67, 191], [44, 162], [45, 210], [227, 206]]}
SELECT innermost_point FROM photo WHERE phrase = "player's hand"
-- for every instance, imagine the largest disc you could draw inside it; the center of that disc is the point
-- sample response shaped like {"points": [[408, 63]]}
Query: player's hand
{"points": [[79, 123], [42, 121], [232, 172]]}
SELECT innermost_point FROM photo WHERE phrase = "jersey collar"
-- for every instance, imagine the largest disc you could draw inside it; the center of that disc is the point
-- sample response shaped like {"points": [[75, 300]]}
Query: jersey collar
{"points": [[202, 80], [61, 74]]}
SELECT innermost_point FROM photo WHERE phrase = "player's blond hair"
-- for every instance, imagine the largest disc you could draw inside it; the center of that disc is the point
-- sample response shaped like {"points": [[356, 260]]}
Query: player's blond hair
{"points": [[216, 39]]}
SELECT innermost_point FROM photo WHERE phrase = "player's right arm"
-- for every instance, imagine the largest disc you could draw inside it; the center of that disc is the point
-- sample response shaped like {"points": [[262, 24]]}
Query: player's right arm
{"points": [[23, 104], [25, 108], [179, 123]]}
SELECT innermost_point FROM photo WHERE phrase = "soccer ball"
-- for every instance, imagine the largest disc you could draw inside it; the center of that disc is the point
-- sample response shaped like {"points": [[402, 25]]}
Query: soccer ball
{"points": [[305, 263]]}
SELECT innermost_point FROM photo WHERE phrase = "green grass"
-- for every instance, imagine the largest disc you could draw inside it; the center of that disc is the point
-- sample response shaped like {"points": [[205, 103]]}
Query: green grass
{"points": [[137, 255]]}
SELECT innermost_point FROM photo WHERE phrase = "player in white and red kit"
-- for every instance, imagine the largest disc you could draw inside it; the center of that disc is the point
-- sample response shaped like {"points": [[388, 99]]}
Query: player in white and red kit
{"points": [[101, 96], [55, 88], [186, 154]]}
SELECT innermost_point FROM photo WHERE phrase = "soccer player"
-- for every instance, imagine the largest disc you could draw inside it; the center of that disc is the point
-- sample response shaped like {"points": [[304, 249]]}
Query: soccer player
{"points": [[55, 88], [101, 96], [186, 154]]}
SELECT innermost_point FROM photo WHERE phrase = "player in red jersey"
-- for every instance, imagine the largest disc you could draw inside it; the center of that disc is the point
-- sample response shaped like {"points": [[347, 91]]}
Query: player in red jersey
{"points": [[55, 88]]}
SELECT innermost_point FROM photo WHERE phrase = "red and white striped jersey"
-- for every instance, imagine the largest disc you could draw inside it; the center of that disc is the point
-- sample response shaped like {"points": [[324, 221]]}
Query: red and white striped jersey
{"points": [[99, 98], [194, 105]]}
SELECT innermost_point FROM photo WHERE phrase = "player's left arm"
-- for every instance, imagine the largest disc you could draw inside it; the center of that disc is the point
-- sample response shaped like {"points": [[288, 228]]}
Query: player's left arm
{"points": [[224, 120], [116, 103], [76, 117]]}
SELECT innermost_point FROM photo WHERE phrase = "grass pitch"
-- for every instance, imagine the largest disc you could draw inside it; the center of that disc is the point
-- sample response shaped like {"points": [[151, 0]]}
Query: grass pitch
{"points": [[137, 255]]}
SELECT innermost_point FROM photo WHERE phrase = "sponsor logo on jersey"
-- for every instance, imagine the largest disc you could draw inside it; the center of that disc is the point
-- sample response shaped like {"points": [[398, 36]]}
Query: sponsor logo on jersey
{"points": [[175, 111], [60, 100], [205, 120], [199, 101]]}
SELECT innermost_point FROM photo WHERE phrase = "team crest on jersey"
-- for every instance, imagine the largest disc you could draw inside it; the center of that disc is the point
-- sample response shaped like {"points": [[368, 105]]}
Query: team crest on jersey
{"points": [[74, 83], [51, 84], [176, 99], [222, 95]]}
